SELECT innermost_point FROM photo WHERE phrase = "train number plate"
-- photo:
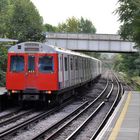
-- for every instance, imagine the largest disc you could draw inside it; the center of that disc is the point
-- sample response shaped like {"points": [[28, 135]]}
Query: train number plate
{"points": [[30, 97]]}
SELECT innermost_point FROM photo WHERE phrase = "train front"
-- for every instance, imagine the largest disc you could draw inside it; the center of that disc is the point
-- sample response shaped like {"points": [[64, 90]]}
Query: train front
{"points": [[32, 71]]}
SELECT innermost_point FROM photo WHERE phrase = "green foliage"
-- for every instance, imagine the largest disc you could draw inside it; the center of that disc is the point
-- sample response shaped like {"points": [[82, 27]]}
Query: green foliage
{"points": [[74, 25], [71, 25], [50, 28], [136, 82], [128, 63], [129, 16], [3, 17], [86, 26], [3, 64], [21, 21], [118, 66]]}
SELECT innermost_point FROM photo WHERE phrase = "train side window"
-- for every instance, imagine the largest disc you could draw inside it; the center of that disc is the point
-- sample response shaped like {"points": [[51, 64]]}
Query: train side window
{"points": [[66, 63], [46, 64], [17, 64]]}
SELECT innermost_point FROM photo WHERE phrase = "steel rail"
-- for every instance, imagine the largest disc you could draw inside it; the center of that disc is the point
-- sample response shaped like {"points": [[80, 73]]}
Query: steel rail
{"points": [[107, 83], [31, 120], [75, 133], [14, 118], [9, 114], [108, 114], [110, 92], [61, 121], [72, 119], [85, 122], [80, 113]]}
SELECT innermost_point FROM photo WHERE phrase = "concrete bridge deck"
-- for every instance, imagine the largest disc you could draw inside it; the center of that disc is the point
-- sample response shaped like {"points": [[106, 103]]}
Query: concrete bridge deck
{"points": [[91, 42]]}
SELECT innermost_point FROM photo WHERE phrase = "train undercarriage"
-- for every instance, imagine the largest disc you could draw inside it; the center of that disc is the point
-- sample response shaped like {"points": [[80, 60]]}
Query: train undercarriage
{"points": [[33, 96]]}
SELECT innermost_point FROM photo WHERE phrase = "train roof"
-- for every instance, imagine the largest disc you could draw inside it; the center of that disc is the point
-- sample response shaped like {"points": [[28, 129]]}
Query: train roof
{"points": [[37, 47]]}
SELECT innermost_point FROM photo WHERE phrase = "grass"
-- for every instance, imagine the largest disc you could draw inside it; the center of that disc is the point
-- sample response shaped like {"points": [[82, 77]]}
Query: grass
{"points": [[132, 81], [136, 81]]}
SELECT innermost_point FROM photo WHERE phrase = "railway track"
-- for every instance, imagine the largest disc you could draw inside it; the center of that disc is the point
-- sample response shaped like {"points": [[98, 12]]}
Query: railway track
{"points": [[9, 114], [71, 125], [93, 135], [16, 128], [15, 116], [102, 124], [66, 124]]}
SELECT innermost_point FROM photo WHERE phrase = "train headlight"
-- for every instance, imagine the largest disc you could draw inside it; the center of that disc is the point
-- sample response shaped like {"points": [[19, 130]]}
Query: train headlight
{"points": [[14, 91], [48, 92]]}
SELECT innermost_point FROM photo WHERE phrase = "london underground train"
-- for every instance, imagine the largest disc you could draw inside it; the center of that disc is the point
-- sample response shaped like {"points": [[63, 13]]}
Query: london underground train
{"points": [[37, 71]]}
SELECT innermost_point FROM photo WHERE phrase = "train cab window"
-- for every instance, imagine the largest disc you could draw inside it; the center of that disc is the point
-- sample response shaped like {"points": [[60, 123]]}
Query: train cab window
{"points": [[17, 64], [46, 64], [31, 63]]}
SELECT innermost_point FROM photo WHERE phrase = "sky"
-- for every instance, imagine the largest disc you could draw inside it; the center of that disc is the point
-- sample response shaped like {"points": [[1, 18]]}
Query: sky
{"points": [[100, 12]]}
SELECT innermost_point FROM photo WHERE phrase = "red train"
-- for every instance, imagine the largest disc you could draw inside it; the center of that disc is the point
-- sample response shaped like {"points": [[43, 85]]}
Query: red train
{"points": [[37, 71]]}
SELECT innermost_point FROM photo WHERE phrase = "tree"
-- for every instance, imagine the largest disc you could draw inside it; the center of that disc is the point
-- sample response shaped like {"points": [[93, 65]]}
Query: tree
{"points": [[128, 63], [74, 25], [3, 64], [86, 26], [118, 63], [3, 17], [71, 25], [129, 16], [22, 21], [50, 28]]}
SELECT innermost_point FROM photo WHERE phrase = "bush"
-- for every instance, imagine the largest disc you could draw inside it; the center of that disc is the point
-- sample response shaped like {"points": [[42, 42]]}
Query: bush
{"points": [[3, 64]]}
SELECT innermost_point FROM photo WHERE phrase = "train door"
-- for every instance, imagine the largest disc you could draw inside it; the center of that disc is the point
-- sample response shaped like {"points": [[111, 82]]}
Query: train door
{"points": [[60, 72], [66, 75], [80, 70], [71, 70], [83, 70], [76, 69], [30, 74]]}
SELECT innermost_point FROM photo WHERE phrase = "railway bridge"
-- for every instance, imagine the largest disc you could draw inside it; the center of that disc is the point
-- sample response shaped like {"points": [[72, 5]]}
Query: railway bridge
{"points": [[111, 43]]}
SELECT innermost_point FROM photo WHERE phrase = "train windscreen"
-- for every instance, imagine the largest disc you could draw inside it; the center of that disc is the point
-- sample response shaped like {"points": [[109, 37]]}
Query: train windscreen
{"points": [[17, 64], [31, 63], [46, 64]]}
